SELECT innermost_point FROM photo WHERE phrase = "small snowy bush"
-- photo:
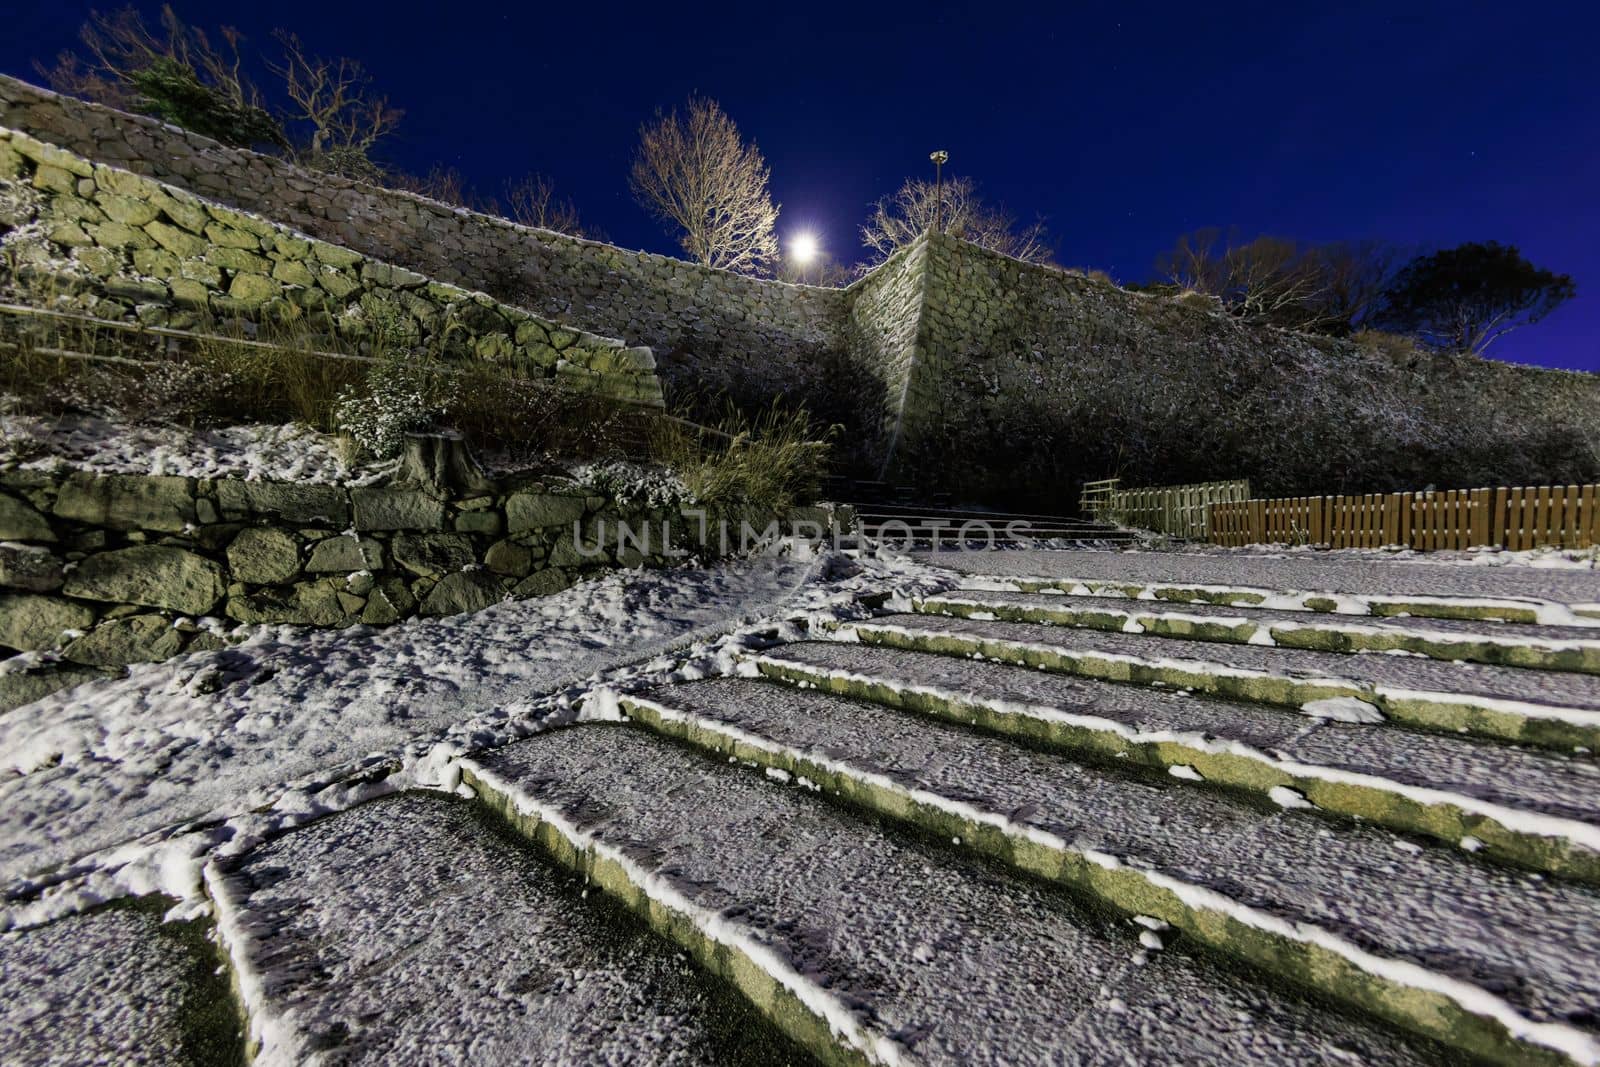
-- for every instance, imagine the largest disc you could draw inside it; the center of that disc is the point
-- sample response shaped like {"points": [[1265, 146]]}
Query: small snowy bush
{"points": [[632, 485], [404, 395]]}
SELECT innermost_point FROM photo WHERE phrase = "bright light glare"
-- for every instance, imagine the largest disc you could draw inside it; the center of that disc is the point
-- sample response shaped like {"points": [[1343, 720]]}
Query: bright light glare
{"points": [[803, 248]]}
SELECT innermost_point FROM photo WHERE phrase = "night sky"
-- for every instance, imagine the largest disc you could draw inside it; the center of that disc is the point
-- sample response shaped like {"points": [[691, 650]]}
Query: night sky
{"points": [[1124, 127]]}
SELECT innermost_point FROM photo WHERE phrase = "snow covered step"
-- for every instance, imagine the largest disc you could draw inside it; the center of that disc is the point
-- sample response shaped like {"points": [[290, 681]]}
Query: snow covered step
{"points": [[1535, 809], [412, 929], [115, 985], [1355, 574], [1565, 648], [1420, 935], [882, 948], [1547, 708], [1384, 605]]}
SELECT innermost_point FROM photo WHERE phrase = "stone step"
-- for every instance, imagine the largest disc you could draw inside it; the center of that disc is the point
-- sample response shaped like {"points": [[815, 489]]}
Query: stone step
{"points": [[1545, 708], [115, 985], [1559, 648], [1364, 574], [415, 929], [1382, 605], [1535, 809], [880, 947], [1427, 937]]}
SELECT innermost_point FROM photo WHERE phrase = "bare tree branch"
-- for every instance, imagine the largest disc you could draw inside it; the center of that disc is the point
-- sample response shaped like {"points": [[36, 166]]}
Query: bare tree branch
{"points": [[334, 96], [533, 202], [697, 173], [898, 220]]}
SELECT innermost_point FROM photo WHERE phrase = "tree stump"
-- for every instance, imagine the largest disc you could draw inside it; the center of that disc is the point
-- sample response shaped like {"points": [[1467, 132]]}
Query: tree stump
{"points": [[441, 461]]}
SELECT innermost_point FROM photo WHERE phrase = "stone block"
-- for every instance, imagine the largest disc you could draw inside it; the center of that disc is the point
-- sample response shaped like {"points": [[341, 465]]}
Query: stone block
{"points": [[533, 511], [156, 576], [29, 567], [396, 509], [509, 558], [264, 555], [29, 622], [292, 502], [545, 582], [433, 555], [119, 642], [461, 592], [345, 555], [21, 521], [128, 502]]}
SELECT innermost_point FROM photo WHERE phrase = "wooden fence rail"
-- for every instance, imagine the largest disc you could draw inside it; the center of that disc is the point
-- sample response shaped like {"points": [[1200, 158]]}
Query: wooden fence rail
{"points": [[1518, 517], [1178, 510]]}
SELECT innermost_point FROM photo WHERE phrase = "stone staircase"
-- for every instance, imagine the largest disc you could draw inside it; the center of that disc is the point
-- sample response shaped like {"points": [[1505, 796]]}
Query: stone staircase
{"points": [[1007, 826]]}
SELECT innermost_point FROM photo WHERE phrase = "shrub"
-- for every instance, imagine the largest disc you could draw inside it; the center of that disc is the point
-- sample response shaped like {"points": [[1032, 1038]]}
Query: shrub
{"points": [[404, 395], [634, 485]]}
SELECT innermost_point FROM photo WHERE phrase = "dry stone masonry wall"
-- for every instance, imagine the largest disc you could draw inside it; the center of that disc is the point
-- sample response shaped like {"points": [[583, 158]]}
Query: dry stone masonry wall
{"points": [[157, 255], [711, 330], [949, 365], [120, 569]]}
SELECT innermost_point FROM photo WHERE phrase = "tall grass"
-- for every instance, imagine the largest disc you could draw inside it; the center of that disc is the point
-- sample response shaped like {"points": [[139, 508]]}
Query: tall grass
{"points": [[771, 461]]}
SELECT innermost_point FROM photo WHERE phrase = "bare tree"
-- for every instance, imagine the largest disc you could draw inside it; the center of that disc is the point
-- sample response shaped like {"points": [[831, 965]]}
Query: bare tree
{"points": [[696, 172], [1328, 288], [898, 220], [533, 202], [334, 97], [172, 71]]}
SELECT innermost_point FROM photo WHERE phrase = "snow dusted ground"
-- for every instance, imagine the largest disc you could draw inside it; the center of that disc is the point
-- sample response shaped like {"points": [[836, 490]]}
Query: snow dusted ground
{"points": [[272, 452], [1564, 577], [407, 931], [297, 721]]}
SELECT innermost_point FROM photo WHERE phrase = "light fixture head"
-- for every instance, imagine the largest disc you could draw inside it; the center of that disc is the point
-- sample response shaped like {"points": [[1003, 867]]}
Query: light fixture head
{"points": [[940, 157], [803, 248]]}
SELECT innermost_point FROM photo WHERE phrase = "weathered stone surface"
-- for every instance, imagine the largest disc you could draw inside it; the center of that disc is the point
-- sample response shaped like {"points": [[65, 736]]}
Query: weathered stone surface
{"points": [[480, 522], [24, 687], [509, 558], [293, 502], [29, 622], [264, 555], [21, 521], [532, 511], [543, 583], [157, 576], [345, 555], [396, 509], [117, 643], [314, 603], [389, 602], [128, 502], [463, 591], [564, 553], [29, 567], [433, 555]]}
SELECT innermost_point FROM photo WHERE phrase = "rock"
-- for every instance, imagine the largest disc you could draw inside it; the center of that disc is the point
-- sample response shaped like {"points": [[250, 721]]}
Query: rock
{"points": [[264, 555], [140, 639], [396, 509], [21, 521], [29, 567], [480, 522], [463, 591], [543, 583], [564, 553], [345, 555], [313, 603], [433, 555], [24, 687], [156, 576], [297, 503], [128, 502], [29, 622], [509, 558], [389, 602], [360, 583], [533, 511]]}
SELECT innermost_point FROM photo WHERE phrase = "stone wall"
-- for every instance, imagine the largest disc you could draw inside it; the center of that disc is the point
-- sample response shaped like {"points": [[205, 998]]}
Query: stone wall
{"points": [[712, 331], [886, 312], [1030, 379], [126, 247], [110, 570]]}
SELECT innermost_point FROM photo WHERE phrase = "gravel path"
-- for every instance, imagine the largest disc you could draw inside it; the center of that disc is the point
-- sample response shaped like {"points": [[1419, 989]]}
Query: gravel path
{"points": [[1289, 571], [954, 960], [1518, 777], [1531, 940], [410, 930]]}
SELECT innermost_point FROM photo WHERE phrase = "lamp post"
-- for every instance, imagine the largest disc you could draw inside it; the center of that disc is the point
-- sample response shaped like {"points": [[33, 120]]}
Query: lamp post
{"points": [[940, 158]]}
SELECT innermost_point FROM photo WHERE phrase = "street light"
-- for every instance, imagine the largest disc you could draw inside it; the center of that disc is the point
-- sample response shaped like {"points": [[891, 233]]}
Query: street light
{"points": [[940, 158]]}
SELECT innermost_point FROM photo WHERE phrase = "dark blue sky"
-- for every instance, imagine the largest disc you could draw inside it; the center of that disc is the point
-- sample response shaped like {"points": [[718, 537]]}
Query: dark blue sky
{"points": [[1124, 125]]}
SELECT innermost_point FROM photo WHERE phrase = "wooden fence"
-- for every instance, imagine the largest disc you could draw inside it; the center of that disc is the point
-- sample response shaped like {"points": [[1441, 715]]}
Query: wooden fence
{"points": [[1519, 517], [1178, 510]]}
